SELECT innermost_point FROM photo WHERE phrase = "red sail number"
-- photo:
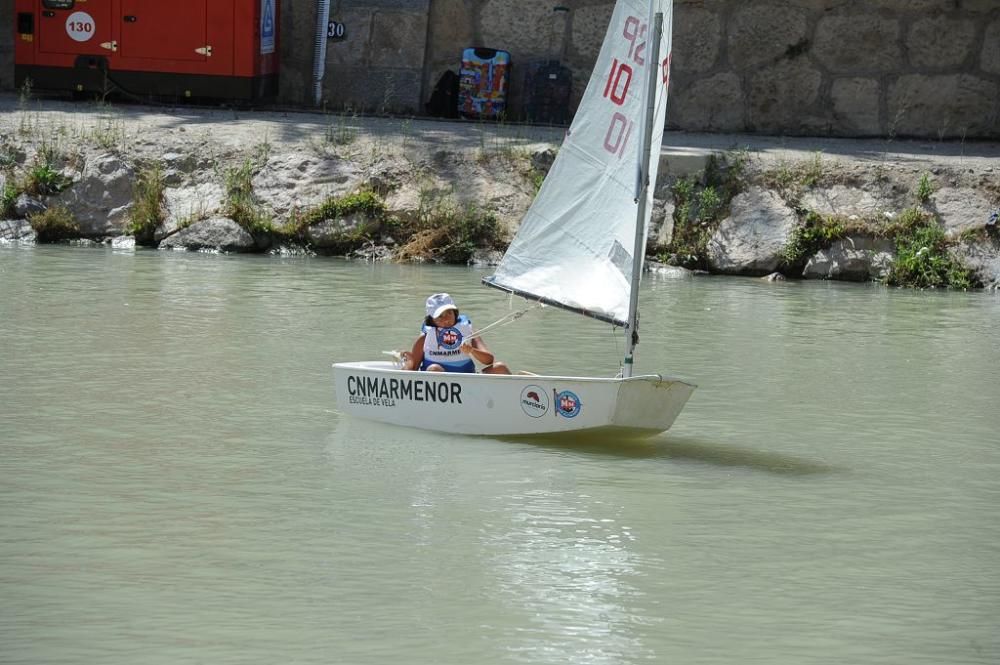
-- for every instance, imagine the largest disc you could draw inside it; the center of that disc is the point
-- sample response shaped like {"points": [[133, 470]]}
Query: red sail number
{"points": [[619, 79], [618, 134], [614, 86]]}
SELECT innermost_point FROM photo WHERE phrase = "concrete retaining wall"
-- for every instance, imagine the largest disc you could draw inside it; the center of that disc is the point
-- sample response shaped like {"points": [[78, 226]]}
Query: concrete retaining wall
{"points": [[379, 64], [928, 68], [889, 67]]}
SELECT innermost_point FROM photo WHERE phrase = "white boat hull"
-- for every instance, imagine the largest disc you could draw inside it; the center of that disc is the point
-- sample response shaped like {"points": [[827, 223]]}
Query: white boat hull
{"points": [[500, 405]]}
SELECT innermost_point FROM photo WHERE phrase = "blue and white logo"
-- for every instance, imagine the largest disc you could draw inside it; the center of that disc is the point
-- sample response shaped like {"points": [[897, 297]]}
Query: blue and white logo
{"points": [[449, 338], [267, 27], [568, 405]]}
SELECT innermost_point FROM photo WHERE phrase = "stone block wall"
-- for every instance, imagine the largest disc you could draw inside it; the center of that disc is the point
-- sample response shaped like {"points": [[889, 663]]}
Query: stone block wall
{"points": [[928, 68], [924, 68], [379, 64], [296, 40], [529, 29]]}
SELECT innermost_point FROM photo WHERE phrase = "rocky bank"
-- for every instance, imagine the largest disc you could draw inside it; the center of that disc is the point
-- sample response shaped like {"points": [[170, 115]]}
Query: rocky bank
{"points": [[922, 214]]}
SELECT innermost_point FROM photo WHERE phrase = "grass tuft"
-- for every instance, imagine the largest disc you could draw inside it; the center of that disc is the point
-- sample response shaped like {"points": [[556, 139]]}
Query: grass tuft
{"points": [[241, 203], [922, 257], [147, 205], [815, 233], [8, 198], [339, 207], [55, 223], [446, 232], [700, 204], [924, 189], [42, 179]]}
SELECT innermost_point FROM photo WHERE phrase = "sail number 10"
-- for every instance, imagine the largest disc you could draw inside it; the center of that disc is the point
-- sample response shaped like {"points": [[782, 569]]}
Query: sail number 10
{"points": [[619, 80]]}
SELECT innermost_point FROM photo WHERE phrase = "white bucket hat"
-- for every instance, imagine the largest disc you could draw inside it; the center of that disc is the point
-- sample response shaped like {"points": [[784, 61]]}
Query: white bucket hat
{"points": [[438, 304]]}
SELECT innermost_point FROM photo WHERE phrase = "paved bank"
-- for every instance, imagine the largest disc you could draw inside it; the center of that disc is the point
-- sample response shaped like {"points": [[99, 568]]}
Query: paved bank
{"points": [[238, 128]]}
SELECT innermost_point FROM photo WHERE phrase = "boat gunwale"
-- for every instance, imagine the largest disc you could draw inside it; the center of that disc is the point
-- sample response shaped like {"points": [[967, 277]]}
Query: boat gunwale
{"points": [[478, 376]]}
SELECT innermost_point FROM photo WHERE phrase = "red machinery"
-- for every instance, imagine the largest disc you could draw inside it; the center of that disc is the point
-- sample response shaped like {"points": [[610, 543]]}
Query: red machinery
{"points": [[182, 48]]}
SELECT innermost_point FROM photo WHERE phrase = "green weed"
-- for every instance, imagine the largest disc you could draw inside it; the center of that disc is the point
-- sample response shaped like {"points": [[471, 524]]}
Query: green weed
{"points": [[8, 156], [446, 232], [147, 205], [709, 204], [51, 152], [906, 223], [790, 179], [55, 223], [340, 133], [924, 189], [262, 151], [241, 203], [813, 170], [41, 179], [465, 232], [701, 204], [8, 197], [536, 178], [109, 134], [922, 258], [337, 207], [815, 233], [690, 238], [727, 173]]}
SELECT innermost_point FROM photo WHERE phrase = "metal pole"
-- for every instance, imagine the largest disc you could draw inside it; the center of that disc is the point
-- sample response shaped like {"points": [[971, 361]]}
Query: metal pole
{"points": [[319, 49], [639, 248]]}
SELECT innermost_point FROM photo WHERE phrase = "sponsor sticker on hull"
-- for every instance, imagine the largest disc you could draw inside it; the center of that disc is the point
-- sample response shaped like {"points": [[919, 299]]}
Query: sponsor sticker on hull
{"points": [[534, 401], [567, 404]]}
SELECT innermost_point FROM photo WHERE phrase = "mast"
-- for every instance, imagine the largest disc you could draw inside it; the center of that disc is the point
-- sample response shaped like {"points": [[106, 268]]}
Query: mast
{"points": [[643, 184]]}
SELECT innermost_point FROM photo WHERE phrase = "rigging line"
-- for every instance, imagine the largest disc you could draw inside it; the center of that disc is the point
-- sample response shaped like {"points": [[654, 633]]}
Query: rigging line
{"points": [[505, 320]]}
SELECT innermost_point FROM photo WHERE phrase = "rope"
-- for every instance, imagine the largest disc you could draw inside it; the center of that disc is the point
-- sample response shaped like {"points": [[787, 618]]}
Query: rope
{"points": [[505, 320]]}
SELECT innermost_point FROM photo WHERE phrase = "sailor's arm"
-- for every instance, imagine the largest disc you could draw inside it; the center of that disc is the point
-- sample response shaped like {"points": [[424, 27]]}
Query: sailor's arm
{"points": [[415, 356], [478, 351]]}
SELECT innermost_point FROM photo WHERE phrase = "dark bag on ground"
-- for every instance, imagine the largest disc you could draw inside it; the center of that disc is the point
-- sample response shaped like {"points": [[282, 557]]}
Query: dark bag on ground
{"points": [[548, 89], [444, 99]]}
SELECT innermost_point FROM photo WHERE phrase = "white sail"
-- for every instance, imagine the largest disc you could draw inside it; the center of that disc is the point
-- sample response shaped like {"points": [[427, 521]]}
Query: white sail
{"points": [[574, 246]]}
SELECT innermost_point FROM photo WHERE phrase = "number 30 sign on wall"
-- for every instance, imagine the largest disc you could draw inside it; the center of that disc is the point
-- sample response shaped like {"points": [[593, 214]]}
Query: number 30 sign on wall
{"points": [[80, 26]]}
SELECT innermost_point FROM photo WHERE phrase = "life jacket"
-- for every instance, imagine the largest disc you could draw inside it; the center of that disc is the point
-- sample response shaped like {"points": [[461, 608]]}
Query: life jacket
{"points": [[442, 346]]}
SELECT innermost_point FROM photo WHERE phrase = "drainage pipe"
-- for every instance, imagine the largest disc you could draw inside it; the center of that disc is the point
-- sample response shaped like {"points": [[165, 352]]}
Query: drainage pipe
{"points": [[319, 49]]}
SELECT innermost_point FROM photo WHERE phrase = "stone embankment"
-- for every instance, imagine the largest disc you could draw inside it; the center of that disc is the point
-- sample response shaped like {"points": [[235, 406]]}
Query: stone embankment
{"points": [[922, 214]]}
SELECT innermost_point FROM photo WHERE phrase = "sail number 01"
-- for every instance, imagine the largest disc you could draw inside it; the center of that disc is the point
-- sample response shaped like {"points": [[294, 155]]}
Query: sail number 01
{"points": [[619, 80]]}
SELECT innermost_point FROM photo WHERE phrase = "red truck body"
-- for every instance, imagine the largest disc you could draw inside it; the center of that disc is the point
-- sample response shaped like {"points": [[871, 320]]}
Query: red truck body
{"points": [[181, 48]]}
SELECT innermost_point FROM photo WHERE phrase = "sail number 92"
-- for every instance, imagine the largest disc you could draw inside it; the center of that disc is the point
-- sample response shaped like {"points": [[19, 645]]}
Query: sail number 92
{"points": [[620, 78]]}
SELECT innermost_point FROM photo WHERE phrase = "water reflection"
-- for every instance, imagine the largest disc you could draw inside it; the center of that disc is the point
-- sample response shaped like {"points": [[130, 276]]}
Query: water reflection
{"points": [[564, 560]]}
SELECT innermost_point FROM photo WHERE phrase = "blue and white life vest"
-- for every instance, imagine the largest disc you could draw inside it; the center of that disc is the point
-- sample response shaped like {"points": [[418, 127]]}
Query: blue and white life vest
{"points": [[442, 346]]}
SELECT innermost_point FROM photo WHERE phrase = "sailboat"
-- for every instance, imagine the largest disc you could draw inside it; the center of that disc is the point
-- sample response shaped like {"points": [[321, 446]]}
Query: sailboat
{"points": [[580, 247]]}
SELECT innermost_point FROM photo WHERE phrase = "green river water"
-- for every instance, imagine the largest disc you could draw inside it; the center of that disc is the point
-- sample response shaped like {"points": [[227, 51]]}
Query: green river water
{"points": [[177, 485]]}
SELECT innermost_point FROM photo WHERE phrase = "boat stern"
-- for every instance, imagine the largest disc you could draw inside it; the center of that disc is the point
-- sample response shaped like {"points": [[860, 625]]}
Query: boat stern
{"points": [[650, 403]]}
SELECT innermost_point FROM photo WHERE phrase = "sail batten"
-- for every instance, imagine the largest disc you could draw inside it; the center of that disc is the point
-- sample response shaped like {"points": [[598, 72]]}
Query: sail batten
{"points": [[575, 246]]}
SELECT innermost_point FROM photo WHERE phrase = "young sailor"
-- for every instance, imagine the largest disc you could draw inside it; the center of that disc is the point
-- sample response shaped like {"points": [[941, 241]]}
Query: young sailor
{"points": [[444, 344]]}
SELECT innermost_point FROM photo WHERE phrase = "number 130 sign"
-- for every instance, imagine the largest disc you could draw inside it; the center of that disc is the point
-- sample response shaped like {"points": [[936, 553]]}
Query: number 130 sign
{"points": [[620, 78]]}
